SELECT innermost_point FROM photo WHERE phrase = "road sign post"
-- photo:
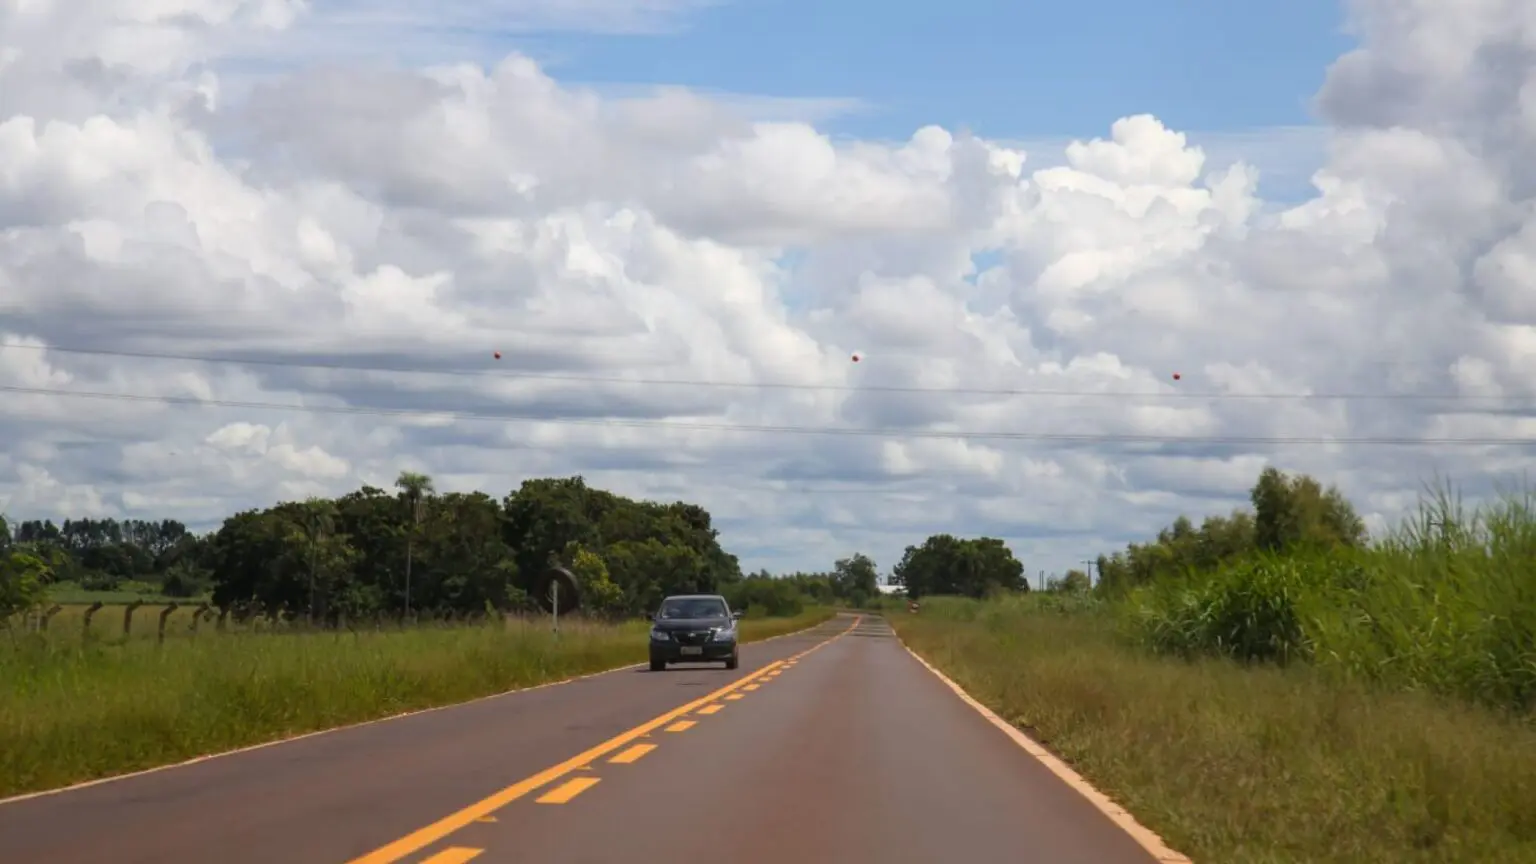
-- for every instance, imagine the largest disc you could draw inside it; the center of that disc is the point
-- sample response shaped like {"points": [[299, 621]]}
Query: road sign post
{"points": [[554, 605]]}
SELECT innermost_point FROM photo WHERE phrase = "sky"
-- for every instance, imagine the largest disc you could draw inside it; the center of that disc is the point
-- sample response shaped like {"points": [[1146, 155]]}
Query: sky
{"points": [[1015, 69], [254, 250]]}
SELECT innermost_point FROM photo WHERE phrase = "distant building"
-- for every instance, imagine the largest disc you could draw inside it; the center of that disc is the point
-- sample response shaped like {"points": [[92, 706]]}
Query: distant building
{"points": [[887, 588]]}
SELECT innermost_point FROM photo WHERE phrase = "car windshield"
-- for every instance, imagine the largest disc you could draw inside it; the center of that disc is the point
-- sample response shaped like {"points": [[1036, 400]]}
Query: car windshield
{"points": [[692, 607]]}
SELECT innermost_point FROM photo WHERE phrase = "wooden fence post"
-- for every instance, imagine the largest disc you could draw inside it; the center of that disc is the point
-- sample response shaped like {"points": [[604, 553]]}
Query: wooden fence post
{"points": [[128, 616], [90, 612], [164, 615], [198, 615], [42, 623]]}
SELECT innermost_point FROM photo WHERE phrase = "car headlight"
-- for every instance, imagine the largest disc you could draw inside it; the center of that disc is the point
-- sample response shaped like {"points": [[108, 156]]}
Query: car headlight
{"points": [[660, 635], [723, 634]]}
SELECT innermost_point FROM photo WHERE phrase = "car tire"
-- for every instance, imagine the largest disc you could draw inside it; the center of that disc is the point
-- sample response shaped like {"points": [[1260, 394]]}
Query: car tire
{"points": [[658, 665], [733, 662]]}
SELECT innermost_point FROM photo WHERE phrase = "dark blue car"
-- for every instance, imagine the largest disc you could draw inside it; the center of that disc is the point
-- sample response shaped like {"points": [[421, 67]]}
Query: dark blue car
{"points": [[694, 628]]}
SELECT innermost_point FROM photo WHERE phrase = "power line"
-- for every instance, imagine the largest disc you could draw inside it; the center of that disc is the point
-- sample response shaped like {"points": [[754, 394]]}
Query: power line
{"points": [[689, 425], [766, 385]]}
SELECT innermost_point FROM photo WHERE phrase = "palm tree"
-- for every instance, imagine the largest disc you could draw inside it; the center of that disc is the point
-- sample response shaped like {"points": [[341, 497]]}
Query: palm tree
{"points": [[415, 489]]}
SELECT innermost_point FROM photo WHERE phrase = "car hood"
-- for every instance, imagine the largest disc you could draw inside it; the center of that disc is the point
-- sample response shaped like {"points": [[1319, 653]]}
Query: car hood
{"points": [[670, 624]]}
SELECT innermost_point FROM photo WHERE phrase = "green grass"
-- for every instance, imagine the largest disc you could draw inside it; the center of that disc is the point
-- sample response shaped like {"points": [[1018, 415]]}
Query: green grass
{"points": [[1233, 763], [1446, 604], [74, 709], [70, 593]]}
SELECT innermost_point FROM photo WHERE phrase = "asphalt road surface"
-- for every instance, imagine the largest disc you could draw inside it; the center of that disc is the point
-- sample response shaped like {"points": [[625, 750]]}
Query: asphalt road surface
{"points": [[832, 746]]}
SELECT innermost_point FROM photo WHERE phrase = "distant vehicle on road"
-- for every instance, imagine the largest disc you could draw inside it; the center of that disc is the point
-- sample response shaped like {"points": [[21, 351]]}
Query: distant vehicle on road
{"points": [[694, 628]]}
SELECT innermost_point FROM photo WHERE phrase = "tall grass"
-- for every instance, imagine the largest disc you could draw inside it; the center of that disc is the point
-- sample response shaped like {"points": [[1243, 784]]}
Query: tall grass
{"points": [[1446, 603], [73, 709], [1255, 764]]}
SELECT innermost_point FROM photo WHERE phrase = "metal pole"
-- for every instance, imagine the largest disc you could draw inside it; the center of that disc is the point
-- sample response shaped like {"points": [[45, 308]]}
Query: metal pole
{"points": [[554, 605]]}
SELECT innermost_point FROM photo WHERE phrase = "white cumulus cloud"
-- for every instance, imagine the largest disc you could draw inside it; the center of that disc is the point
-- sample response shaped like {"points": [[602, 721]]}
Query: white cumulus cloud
{"points": [[675, 285]]}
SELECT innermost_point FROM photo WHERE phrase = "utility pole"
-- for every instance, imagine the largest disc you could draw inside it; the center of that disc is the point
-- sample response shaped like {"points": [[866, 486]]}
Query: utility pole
{"points": [[1088, 562]]}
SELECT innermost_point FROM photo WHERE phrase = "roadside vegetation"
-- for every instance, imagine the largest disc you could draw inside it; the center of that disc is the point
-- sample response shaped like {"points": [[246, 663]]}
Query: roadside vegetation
{"points": [[1276, 686], [73, 710], [308, 615]]}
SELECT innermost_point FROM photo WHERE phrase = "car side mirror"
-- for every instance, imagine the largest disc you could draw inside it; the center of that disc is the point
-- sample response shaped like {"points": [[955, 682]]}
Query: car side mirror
{"points": [[736, 615]]}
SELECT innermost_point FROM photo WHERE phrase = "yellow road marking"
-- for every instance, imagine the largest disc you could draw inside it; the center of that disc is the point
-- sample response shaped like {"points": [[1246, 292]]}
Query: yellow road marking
{"points": [[486, 819], [454, 855], [266, 745], [750, 687], [424, 837], [633, 754], [734, 696], [710, 709], [567, 790], [680, 726], [443, 827]]}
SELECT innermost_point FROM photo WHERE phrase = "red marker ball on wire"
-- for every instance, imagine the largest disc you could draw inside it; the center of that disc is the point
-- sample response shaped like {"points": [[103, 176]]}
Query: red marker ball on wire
{"points": [[1177, 376], [497, 355], [855, 358]]}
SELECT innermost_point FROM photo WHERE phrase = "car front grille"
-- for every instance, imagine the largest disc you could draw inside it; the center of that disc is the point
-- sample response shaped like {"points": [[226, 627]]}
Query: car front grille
{"points": [[691, 638]]}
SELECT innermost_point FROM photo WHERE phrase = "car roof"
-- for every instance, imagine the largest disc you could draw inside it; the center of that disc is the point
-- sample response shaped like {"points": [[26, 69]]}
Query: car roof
{"points": [[693, 597]]}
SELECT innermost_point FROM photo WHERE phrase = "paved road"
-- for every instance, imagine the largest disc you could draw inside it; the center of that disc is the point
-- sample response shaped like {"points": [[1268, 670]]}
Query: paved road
{"points": [[833, 746]]}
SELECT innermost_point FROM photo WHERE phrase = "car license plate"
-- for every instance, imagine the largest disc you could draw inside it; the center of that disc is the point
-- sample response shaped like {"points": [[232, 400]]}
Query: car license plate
{"points": [[692, 649]]}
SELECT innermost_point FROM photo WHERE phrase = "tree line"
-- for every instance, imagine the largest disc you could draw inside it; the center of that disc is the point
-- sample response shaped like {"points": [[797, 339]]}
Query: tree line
{"points": [[414, 552], [1289, 514]]}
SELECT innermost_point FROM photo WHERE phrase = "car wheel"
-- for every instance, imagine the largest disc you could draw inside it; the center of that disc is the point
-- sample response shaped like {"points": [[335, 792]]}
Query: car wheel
{"points": [[658, 665], [733, 662]]}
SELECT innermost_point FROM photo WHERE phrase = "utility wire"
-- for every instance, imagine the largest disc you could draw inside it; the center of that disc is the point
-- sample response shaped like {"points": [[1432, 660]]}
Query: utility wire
{"points": [[516, 374], [688, 425]]}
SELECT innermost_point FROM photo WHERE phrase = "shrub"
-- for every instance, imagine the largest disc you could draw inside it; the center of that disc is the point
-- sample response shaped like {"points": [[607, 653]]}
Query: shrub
{"points": [[1446, 603]]}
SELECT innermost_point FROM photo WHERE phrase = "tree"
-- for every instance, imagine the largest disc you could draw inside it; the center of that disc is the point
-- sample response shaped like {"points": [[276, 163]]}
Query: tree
{"points": [[245, 555], [464, 561], [947, 565], [766, 594], [650, 570], [1075, 582], [599, 593], [855, 579], [23, 578], [1290, 513], [374, 552], [317, 517], [1294, 512], [415, 490], [545, 516]]}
